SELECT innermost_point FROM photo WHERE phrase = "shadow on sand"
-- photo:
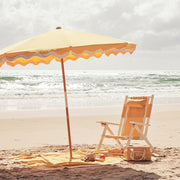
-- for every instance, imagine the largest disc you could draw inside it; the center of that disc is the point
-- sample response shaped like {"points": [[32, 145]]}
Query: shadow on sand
{"points": [[82, 173]]}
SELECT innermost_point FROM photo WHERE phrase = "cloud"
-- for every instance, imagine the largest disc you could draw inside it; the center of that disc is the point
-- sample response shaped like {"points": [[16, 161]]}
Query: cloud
{"points": [[138, 21], [27, 18], [153, 25]]}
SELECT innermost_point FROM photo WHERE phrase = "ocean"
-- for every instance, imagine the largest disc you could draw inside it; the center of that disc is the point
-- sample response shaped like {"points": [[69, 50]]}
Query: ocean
{"points": [[43, 89]]}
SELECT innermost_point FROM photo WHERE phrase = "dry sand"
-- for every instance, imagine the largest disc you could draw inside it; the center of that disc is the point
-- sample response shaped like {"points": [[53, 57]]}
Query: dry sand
{"points": [[45, 131]]}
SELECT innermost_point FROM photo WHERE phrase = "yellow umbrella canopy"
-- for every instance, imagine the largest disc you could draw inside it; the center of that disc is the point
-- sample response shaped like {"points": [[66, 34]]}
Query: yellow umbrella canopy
{"points": [[62, 45]]}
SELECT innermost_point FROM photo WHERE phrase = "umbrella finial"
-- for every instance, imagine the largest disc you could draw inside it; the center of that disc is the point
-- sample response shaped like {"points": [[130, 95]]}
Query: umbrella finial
{"points": [[59, 27]]}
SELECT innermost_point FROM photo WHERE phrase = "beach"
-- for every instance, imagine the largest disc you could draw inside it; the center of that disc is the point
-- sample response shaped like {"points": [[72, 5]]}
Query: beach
{"points": [[104, 61], [33, 120], [38, 131], [46, 127]]}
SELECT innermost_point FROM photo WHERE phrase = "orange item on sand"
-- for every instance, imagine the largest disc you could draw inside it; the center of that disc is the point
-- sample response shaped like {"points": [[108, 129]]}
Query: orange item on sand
{"points": [[102, 156]]}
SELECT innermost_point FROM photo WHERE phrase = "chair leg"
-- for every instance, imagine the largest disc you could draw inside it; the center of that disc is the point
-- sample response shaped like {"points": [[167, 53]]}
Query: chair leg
{"points": [[130, 136], [144, 137], [117, 140], [102, 138]]}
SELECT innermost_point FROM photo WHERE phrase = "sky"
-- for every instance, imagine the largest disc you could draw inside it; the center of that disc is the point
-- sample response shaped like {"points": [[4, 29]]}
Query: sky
{"points": [[154, 25]]}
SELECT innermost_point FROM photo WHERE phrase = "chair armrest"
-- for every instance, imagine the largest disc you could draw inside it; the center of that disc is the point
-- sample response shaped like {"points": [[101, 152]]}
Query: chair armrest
{"points": [[138, 123], [104, 123]]}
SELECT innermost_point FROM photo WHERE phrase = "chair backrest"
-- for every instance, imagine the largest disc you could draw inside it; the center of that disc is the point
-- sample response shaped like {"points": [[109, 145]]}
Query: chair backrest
{"points": [[136, 109]]}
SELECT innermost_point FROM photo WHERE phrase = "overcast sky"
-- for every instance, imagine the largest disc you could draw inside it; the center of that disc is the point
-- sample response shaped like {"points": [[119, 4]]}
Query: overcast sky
{"points": [[154, 25]]}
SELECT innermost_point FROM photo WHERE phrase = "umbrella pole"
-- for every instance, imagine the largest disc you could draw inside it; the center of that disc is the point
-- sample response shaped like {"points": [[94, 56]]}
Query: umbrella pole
{"points": [[67, 111]]}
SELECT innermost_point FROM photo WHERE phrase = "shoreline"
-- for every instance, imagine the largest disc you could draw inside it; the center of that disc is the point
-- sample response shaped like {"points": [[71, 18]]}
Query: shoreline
{"points": [[43, 104], [81, 111]]}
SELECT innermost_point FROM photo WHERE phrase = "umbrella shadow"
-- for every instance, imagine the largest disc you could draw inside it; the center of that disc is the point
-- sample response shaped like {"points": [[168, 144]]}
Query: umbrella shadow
{"points": [[140, 162], [88, 172]]}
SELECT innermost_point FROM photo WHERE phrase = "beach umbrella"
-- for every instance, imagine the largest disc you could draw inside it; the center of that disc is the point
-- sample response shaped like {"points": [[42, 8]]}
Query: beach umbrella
{"points": [[62, 45]]}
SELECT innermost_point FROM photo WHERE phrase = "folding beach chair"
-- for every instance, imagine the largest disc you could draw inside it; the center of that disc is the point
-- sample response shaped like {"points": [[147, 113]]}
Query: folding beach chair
{"points": [[134, 122]]}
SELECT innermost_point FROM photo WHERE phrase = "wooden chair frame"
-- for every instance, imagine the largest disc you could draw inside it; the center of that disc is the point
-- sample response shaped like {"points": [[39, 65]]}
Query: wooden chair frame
{"points": [[134, 125]]}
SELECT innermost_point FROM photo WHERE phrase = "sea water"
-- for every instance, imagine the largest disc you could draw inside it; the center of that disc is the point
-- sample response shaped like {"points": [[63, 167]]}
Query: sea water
{"points": [[43, 89]]}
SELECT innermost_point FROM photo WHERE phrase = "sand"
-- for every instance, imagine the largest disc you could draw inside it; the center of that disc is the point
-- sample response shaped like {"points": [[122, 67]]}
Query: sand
{"points": [[45, 131]]}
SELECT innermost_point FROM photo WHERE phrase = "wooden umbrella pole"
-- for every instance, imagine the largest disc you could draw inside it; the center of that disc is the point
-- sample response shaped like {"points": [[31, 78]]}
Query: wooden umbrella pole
{"points": [[67, 111]]}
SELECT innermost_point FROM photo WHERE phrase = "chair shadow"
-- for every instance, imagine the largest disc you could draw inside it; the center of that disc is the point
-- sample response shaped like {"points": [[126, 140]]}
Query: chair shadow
{"points": [[140, 162], [81, 172]]}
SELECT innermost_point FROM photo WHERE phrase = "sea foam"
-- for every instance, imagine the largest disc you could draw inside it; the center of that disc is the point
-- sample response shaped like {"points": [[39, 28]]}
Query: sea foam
{"points": [[43, 89]]}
